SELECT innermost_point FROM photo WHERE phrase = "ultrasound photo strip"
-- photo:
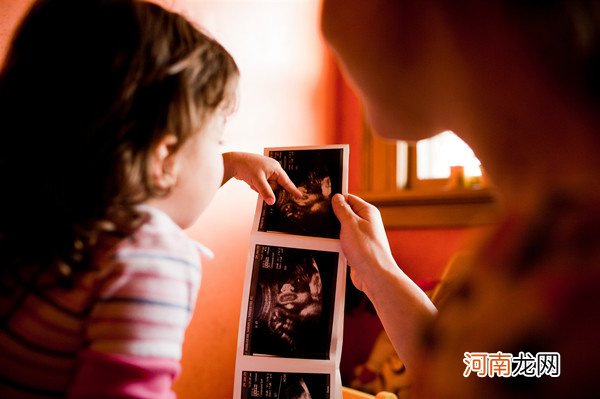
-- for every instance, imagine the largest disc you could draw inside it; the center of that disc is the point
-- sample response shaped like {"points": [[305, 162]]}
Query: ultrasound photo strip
{"points": [[319, 174], [290, 307], [290, 330]]}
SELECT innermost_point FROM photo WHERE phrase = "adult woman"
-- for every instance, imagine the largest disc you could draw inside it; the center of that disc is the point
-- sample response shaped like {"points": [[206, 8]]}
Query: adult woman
{"points": [[518, 82]]}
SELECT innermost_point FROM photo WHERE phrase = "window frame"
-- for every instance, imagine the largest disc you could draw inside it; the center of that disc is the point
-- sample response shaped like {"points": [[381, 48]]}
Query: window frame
{"points": [[407, 201]]}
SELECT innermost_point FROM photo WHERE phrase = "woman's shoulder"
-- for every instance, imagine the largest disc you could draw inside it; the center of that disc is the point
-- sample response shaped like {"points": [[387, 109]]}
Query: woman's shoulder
{"points": [[528, 290]]}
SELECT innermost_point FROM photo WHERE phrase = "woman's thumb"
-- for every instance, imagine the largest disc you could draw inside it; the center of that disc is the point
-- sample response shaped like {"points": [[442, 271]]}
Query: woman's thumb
{"points": [[341, 208]]}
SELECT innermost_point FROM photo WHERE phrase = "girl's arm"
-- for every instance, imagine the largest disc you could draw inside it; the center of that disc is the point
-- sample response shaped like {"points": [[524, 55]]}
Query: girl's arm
{"points": [[263, 174], [402, 306]]}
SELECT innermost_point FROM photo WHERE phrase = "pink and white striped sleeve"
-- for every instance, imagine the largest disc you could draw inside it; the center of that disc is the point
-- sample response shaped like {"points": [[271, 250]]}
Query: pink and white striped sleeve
{"points": [[137, 325]]}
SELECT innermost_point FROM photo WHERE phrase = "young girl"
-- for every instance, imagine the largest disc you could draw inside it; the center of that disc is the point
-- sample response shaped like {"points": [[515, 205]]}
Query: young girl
{"points": [[112, 116]]}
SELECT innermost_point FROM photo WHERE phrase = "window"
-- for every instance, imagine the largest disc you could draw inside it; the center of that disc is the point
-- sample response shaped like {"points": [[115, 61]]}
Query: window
{"points": [[438, 155], [435, 182], [443, 162]]}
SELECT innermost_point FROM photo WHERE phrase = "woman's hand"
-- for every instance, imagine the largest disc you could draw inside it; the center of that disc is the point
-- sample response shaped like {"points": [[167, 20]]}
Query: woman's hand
{"points": [[401, 305], [263, 174], [362, 237]]}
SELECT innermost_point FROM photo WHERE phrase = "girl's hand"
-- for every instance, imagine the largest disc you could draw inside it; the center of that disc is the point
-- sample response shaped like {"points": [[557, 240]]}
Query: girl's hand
{"points": [[263, 174]]}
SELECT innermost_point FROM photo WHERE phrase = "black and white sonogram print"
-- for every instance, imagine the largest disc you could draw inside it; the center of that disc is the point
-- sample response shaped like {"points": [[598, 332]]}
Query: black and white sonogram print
{"points": [[318, 174], [275, 385], [290, 309]]}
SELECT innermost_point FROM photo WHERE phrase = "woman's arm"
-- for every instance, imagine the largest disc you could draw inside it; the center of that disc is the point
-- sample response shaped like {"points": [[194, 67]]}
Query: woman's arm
{"points": [[402, 306]]}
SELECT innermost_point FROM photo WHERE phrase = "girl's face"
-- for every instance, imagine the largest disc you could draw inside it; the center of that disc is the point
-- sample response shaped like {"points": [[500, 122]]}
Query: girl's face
{"points": [[200, 171]]}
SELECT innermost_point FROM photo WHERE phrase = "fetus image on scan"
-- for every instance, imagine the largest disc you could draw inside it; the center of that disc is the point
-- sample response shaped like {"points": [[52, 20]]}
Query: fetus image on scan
{"points": [[298, 302], [298, 391], [317, 174], [292, 302], [310, 210]]}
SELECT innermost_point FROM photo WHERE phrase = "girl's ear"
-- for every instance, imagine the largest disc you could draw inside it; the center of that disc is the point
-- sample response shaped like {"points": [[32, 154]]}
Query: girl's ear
{"points": [[163, 163]]}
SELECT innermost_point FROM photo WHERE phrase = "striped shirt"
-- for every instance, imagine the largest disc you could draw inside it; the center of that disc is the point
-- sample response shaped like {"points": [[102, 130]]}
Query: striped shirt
{"points": [[117, 333]]}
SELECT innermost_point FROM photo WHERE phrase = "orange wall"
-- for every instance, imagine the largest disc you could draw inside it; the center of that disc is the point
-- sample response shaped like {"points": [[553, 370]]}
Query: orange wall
{"points": [[10, 14]]}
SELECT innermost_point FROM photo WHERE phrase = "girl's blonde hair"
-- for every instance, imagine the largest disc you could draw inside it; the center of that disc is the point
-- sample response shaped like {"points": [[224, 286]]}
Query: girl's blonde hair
{"points": [[88, 89]]}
